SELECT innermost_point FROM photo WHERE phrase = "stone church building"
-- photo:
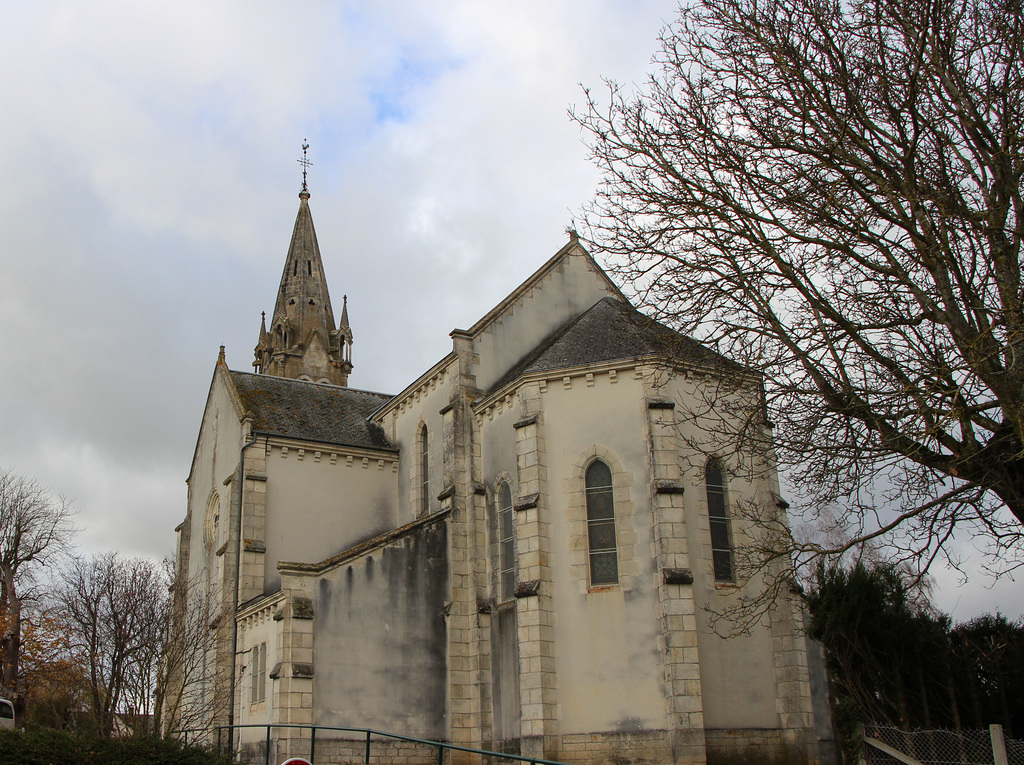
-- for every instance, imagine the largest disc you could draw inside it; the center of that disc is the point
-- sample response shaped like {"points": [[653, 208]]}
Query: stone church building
{"points": [[519, 551]]}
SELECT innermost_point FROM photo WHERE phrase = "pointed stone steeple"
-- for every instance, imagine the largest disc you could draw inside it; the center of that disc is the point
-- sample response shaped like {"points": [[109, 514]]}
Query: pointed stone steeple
{"points": [[302, 342]]}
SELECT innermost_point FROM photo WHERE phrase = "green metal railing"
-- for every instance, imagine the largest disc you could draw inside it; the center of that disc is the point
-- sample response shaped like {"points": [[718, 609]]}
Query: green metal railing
{"points": [[370, 734]]}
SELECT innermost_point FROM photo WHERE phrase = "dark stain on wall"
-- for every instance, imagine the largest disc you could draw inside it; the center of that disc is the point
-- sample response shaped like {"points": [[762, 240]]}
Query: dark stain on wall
{"points": [[505, 677], [380, 641]]}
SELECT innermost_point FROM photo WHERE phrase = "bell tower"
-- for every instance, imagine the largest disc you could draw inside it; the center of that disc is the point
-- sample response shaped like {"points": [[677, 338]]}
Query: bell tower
{"points": [[302, 341]]}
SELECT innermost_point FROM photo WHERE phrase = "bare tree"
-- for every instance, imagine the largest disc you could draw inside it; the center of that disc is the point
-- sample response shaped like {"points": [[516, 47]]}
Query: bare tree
{"points": [[184, 697], [116, 611], [53, 674], [35, 527], [831, 192]]}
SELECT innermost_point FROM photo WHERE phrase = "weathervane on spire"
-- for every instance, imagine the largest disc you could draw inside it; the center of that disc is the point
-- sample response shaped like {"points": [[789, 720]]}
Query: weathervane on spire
{"points": [[305, 163]]}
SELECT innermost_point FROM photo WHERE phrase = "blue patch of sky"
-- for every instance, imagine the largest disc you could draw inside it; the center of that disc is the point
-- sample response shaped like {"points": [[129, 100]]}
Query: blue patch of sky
{"points": [[335, 140], [394, 96]]}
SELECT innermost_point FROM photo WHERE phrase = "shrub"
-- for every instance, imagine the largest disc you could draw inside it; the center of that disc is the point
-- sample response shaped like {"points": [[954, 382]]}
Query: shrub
{"points": [[52, 747]]}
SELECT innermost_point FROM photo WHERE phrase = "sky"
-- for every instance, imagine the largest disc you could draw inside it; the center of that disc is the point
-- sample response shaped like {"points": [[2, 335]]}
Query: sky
{"points": [[148, 189]]}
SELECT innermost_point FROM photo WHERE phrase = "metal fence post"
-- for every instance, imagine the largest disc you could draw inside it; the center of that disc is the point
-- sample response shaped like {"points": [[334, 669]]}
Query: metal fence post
{"points": [[266, 749], [367, 760], [312, 744], [999, 757]]}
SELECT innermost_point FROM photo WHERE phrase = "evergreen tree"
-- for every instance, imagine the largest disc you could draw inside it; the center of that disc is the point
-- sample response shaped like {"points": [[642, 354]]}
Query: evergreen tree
{"points": [[895, 660]]}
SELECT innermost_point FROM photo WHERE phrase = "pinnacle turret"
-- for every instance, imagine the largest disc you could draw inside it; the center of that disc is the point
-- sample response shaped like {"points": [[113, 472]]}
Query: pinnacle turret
{"points": [[302, 341], [344, 314]]}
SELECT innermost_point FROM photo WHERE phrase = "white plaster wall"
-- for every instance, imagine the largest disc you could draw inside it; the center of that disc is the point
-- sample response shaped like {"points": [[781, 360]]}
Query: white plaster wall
{"points": [[737, 678], [403, 427], [216, 458], [316, 509], [263, 631], [737, 673], [607, 657], [566, 291], [498, 450]]}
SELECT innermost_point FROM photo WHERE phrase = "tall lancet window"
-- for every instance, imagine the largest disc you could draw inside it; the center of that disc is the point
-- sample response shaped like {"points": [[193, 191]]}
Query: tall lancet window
{"points": [[718, 517], [604, 557], [506, 542], [424, 449]]}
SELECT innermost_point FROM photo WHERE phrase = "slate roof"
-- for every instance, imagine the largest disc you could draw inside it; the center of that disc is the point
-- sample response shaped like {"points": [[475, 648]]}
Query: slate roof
{"points": [[612, 330], [312, 411]]}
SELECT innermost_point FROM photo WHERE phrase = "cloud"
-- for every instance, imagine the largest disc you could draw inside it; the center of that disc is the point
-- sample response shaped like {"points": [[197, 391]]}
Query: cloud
{"points": [[148, 156], [148, 153]]}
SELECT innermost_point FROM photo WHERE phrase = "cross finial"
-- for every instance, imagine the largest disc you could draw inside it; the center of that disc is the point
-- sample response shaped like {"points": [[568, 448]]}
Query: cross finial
{"points": [[305, 163]]}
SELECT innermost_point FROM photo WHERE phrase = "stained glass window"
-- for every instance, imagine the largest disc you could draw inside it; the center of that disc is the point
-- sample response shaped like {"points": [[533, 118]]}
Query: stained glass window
{"points": [[506, 541], [721, 544], [604, 563]]}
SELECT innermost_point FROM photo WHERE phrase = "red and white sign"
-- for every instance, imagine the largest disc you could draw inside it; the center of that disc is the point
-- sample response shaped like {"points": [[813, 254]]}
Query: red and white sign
{"points": [[296, 761]]}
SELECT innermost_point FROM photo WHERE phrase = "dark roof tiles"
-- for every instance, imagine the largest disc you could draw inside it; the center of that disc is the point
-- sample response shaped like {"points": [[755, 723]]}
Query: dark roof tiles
{"points": [[611, 330], [311, 411]]}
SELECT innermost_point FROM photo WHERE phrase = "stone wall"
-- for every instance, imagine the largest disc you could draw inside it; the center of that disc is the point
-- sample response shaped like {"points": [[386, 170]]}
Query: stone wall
{"points": [[753, 746], [641, 748], [332, 748]]}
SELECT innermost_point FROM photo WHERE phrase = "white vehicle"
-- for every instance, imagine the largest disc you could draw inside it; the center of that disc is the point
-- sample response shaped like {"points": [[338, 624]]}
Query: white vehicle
{"points": [[6, 714]]}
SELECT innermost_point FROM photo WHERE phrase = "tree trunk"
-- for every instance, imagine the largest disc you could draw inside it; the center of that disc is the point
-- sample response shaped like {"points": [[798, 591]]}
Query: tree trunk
{"points": [[12, 645], [951, 687], [1004, 702], [1000, 468], [926, 710]]}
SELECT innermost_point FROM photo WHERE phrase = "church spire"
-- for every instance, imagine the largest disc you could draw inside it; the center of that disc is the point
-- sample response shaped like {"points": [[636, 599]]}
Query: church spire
{"points": [[302, 341]]}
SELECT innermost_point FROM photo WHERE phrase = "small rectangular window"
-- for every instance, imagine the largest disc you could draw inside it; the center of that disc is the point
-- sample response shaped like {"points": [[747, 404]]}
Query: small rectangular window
{"points": [[506, 541], [259, 673], [424, 471]]}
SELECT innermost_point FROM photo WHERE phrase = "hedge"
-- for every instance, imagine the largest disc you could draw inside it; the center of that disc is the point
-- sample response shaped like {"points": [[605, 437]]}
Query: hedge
{"points": [[52, 747]]}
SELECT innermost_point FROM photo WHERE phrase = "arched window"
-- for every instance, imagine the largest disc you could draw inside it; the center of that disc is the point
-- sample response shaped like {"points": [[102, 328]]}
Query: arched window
{"points": [[721, 543], [506, 542], [604, 559], [424, 471]]}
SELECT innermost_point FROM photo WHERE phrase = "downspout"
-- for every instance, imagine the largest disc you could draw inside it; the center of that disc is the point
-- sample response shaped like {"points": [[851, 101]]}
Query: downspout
{"points": [[238, 586]]}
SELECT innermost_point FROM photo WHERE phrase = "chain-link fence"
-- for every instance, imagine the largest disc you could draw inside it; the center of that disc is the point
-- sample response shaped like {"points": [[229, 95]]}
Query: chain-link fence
{"points": [[883, 746], [1015, 751]]}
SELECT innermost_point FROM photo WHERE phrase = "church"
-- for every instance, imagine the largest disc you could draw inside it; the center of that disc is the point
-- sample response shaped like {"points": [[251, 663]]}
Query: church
{"points": [[518, 552]]}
